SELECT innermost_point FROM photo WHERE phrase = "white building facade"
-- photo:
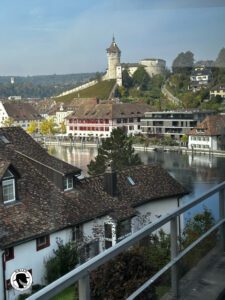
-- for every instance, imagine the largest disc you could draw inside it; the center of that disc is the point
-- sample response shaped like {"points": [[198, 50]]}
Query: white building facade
{"points": [[99, 120]]}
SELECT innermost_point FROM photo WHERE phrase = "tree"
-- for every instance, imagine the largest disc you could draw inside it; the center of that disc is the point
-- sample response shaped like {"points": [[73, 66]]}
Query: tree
{"points": [[8, 122], [220, 61], [64, 259], [62, 128], [184, 139], [126, 79], [183, 63], [141, 78], [47, 127], [117, 148], [194, 228], [32, 128]]}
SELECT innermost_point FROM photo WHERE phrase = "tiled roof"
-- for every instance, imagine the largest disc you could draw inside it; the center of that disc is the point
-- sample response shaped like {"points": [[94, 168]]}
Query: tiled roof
{"points": [[218, 88], [42, 208], [113, 48], [150, 183], [130, 65], [210, 126], [21, 111], [110, 111], [4, 164], [199, 72], [25, 144]]}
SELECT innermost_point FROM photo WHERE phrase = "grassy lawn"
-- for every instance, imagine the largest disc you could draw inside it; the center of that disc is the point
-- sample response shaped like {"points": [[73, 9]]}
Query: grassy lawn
{"points": [[100, 90], [68, 294]]}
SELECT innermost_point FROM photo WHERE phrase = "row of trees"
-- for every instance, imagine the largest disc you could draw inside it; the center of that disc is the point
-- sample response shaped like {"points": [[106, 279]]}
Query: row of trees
{"points": [[45, 127]]}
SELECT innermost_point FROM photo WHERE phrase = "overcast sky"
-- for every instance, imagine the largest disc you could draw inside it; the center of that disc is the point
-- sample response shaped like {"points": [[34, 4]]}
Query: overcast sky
{"points": [[70, 36]]}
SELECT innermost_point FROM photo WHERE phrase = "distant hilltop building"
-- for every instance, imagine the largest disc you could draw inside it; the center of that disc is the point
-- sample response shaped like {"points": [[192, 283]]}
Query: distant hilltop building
{"points": [[153, 66], [12, 80]]}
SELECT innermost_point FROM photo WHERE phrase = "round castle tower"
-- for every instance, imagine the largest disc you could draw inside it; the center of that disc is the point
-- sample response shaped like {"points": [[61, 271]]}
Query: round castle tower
{"points": [[113, 54], [154, 66]]}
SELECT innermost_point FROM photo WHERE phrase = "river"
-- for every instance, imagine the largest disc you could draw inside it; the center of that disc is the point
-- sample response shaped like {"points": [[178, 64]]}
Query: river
{"points": [[198, 172]]}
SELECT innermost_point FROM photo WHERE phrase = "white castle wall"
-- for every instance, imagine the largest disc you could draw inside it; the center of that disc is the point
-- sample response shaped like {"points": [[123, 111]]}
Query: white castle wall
{"points": [[79, 88]]}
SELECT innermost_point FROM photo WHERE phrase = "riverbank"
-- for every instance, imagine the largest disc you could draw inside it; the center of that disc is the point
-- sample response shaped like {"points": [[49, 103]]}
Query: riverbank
{"points": [[139, 147]]}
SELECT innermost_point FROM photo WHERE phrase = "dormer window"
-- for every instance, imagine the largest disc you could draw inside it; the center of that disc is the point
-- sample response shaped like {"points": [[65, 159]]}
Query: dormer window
{"points": [[8, 187], [68, 183]]}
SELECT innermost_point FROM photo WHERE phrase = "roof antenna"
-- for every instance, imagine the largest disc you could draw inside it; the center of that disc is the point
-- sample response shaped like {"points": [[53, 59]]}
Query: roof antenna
{"points": [[113, 39]]}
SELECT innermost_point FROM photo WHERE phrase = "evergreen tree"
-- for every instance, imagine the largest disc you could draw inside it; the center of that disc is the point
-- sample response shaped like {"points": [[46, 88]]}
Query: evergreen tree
{"points": [[117, 148]]}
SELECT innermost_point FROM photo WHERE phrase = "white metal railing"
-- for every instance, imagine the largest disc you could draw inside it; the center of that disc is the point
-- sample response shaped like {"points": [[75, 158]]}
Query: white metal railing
{"points": [[81, 273]]}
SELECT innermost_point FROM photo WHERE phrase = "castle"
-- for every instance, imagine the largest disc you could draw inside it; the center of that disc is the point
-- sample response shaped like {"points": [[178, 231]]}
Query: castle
{"points": [[152, 66]]}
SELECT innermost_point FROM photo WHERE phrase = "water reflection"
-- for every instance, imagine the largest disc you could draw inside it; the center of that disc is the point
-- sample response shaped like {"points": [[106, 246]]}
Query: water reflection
{"points": [[198, 173]]}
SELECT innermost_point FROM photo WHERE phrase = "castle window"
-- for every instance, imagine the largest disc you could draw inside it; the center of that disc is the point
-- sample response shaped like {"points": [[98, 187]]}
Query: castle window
{"points": [[8, 187]]}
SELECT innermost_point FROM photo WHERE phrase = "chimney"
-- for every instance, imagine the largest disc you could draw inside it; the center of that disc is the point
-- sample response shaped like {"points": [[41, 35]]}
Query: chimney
{"points": [[110, 180]]}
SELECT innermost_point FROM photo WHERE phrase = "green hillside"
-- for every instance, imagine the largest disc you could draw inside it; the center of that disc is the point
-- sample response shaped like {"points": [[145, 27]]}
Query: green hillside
{"points": [[100, 90]]}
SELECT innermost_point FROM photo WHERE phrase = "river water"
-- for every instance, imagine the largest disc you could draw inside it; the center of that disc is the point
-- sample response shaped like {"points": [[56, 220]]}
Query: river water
{"points": [[198, 173]]}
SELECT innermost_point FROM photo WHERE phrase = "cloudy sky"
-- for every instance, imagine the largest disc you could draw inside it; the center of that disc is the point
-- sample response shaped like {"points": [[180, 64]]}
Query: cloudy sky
{"points": [[70, 36]]}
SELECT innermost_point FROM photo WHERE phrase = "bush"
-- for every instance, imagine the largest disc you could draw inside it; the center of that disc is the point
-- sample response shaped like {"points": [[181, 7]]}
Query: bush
{"points": [[195, 228], [118, 278], [64, 260]]}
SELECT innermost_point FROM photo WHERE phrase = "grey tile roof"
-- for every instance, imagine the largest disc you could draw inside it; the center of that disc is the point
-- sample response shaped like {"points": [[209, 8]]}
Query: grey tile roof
{"points": [[25, 144], [22, 111], [42, 208], [110, 111]]}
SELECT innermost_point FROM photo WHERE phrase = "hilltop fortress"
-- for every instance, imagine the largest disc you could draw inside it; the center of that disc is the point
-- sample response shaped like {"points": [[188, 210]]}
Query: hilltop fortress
{"points": [[153, 66]]}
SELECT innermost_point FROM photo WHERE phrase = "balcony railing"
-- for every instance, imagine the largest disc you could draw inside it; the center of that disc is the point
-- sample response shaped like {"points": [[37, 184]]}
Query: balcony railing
{"points": [[81, 273]]}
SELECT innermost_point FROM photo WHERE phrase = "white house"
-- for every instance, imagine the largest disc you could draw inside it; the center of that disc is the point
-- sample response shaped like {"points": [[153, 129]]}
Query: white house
{"points": [[21, 114], [218, 90], [42, 201], [209, 134], [99, 120], [200, 77]]}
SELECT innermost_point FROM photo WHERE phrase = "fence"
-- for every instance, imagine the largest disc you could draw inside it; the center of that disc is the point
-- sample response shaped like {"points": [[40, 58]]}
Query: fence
{"points": [[81, 273]]}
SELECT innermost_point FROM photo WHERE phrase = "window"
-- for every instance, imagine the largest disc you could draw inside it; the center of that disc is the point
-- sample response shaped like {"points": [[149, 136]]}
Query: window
{"points": [[130, 180], [108, 235], [42, 242], [77, 233], [68, 183], [8, 187], [89, 250], [9, 253], [123, 229]]}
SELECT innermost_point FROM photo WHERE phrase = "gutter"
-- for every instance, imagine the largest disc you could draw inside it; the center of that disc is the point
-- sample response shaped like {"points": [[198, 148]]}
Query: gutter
{"points": [[3, 274]]}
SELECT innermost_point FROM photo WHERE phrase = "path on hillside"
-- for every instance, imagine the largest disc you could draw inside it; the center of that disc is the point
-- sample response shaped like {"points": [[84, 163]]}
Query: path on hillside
{"points": [[169, 95], [111, 95]]}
